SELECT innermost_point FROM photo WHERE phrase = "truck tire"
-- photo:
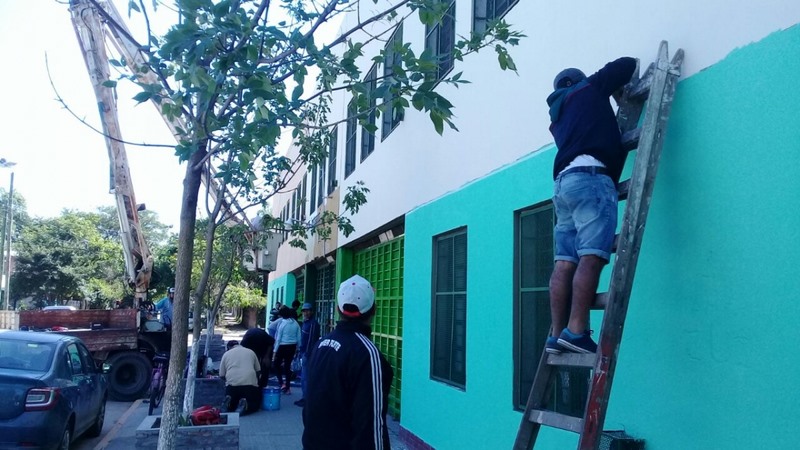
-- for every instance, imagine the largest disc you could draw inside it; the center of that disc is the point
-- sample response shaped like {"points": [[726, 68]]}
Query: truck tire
{"points": [[129, 376]]}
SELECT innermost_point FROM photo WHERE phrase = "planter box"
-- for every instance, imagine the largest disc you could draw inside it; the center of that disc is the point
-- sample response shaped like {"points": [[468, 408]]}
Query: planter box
{"points": [[207, 391], [224, 436]]}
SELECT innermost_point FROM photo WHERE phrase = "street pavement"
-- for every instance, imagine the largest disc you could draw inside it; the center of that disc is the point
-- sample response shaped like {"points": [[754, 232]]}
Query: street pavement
{"points": [[265, 430]]}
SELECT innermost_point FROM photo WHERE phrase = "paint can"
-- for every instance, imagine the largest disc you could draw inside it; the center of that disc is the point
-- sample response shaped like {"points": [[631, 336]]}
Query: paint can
{"points": [[271, 399]]}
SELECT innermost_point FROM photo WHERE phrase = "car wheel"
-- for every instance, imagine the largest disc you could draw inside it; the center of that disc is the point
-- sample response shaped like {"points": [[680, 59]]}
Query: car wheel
{"points": [[65, 439], [129, 376], [97, 426]]}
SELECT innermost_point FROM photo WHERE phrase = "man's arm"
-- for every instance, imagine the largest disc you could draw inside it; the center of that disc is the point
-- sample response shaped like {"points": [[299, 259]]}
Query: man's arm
{"points": [[614, 75]]}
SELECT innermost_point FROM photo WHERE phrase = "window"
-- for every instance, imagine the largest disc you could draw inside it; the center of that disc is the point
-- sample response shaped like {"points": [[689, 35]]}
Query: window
{"points": [[350, 140], [440, 40], [449, 309], [533, 264], [368, 131], [487, 10], [321, 193], [392, 57], [303, 200], [75, 363], [313, 200], [332, 159]]}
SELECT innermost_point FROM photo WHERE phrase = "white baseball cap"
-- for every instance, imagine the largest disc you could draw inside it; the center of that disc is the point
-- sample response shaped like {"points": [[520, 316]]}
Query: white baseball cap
{"points": [[356, 296]]}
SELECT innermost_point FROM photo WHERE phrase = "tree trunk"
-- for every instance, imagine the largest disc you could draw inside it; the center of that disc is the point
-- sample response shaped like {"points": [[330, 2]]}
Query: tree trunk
{"points": [[168, 434], [249, 317]]}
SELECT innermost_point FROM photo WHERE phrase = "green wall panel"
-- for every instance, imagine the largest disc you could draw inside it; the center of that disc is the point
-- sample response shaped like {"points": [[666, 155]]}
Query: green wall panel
{"points": [[382, 265]]}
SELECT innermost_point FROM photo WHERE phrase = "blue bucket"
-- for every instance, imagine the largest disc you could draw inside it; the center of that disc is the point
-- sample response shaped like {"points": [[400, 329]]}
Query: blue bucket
{"points": [[272, 399]]}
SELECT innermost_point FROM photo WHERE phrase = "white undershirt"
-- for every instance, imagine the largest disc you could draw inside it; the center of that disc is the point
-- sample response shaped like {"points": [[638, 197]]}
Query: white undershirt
{"points": [[583, 161]]}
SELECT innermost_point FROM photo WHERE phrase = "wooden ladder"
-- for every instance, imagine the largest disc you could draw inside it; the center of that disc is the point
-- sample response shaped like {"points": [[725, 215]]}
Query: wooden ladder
{"points": [[650, 95]]}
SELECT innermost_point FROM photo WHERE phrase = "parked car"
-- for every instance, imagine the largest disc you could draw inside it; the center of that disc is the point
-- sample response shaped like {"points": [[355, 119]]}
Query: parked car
{"points": [[51, 390], [59, 308]]}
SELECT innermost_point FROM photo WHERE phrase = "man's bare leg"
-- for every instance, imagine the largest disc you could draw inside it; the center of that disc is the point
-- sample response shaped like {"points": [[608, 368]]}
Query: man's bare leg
{"points": [[561, 282], [584, 289]]}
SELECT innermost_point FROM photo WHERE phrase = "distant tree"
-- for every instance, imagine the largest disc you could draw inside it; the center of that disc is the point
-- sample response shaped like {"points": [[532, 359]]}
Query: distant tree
{"points": [[68, 258]]}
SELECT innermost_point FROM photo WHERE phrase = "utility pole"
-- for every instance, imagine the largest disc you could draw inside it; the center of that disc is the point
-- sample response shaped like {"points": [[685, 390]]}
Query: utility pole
{"points": [[5, 237], [10, 226]]}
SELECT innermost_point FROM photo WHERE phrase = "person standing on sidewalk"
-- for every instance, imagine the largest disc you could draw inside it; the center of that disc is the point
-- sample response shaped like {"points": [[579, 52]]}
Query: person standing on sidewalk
{"points": [[348, 379], [286, 339], [309, 337], [586, 170]]}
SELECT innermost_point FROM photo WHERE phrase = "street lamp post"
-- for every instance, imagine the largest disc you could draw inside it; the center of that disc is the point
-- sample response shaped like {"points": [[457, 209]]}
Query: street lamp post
{"points": [[7, 232]]}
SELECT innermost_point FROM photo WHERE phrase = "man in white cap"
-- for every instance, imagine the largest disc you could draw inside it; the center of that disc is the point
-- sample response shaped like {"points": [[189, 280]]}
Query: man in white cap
{"points": [[348, 379]]}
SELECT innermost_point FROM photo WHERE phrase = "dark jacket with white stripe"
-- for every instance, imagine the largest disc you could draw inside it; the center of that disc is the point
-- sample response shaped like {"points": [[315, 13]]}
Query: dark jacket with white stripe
{"points": [[348, 391]]}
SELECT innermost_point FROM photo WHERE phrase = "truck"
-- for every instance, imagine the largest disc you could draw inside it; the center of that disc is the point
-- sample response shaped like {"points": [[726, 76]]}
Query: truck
{"points": [[114, 338]]}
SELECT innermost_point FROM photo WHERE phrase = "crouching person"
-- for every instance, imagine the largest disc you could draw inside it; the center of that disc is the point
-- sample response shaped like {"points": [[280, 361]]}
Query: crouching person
{"points": [[240, 368]]}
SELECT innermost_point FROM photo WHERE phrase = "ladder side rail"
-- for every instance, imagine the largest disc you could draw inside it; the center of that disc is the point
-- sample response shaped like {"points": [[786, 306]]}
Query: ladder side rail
{"points": [[645, 168], [528, 430]]}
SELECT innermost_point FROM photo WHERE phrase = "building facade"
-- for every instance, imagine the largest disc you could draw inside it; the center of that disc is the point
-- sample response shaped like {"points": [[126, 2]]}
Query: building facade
{"points": [[457, 232]]}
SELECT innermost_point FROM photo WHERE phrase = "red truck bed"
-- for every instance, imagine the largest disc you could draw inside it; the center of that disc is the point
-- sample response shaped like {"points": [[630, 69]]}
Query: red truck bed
{"points": [[118, 326]]}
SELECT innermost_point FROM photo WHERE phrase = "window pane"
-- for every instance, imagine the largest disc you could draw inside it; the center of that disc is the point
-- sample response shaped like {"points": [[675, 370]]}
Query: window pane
{"points": [[449, 333], [332, 159]]}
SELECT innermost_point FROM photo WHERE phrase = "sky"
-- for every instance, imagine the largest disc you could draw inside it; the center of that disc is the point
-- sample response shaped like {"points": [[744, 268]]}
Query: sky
{"points": [[60, 163]]}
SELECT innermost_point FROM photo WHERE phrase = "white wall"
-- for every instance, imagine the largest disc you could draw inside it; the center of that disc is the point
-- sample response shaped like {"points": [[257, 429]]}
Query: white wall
{"points": [[503, 116]]}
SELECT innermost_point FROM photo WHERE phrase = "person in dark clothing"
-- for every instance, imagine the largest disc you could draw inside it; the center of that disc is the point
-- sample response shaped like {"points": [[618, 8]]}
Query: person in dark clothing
{"points": [[309, 335], [586, 170], [348, 379], [263, 345]]}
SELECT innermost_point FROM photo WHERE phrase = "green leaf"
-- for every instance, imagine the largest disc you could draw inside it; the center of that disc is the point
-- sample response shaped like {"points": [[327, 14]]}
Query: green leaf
{"points": [[438, 123], [142, 96], [110, 83]]}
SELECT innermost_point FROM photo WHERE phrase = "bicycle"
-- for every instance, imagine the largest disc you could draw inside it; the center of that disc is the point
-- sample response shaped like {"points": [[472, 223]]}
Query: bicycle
{"points": [[158, 383]]}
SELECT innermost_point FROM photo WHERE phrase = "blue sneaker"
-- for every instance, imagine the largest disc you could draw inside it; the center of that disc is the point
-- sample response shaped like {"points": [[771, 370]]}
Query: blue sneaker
{"points": [[552, 346], [577, 343]]}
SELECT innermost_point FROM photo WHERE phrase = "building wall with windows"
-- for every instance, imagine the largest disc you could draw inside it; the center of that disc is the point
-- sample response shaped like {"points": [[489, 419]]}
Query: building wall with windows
{"points": [[702, 363], [501, 115]]}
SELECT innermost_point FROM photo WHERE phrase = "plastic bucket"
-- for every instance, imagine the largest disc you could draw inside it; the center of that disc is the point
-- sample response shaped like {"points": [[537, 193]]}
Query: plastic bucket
{"points": [[272, 399]]}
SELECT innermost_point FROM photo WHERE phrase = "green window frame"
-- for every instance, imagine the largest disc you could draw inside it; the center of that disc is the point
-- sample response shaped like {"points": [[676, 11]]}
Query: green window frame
{"points": [[533, 265], [440, 40], [449, 309], [484, 11]]}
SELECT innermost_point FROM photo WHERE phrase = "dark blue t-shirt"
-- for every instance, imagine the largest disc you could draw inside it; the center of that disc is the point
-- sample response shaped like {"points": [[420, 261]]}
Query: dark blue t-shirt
{"points": [[583, 121]]}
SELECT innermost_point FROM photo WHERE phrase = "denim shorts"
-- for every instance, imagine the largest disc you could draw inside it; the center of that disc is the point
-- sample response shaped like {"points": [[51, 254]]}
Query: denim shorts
{"points": [[586, 215]]}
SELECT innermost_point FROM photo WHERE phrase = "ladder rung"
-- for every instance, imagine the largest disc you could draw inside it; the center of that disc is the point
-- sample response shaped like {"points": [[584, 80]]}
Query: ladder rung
{"points": [[630, 139], [600, 301], [623, 188], [572, 359], [553, 419], [642, 88]]}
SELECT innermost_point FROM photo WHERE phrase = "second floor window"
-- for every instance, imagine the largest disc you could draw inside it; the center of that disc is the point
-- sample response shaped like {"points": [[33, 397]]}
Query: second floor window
{"points": [[350, 140], [392, 57], [440, 40], [332, 144], [368, 131], [486, 10]]}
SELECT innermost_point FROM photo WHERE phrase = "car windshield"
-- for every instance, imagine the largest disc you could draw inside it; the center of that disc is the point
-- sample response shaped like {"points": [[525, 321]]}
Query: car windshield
{"points": [[25, 355]]}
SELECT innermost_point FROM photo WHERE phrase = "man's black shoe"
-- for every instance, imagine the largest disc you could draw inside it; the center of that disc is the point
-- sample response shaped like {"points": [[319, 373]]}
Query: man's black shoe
{"points": [[300, 403]]}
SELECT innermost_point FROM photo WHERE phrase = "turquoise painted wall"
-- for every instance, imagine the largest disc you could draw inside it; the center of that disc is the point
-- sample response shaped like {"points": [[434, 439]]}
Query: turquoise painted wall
{"points": [[289, 285], [708, 360]]}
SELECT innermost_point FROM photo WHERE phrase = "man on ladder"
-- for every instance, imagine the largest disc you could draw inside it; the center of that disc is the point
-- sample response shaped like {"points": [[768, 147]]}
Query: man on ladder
{"points": [[587, 168]]}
